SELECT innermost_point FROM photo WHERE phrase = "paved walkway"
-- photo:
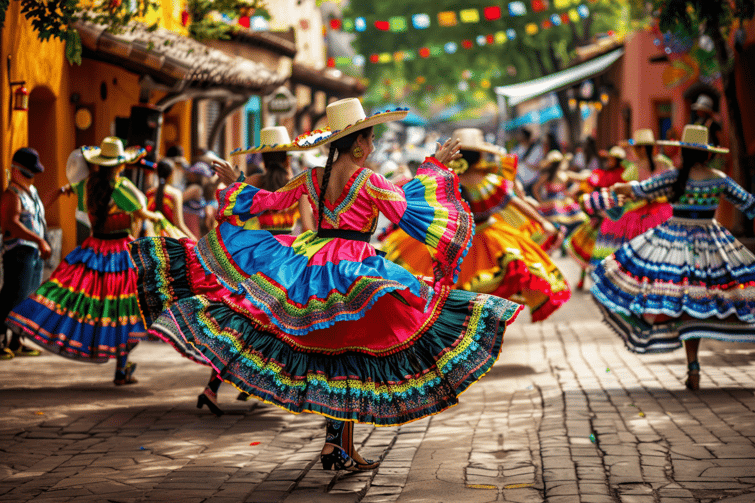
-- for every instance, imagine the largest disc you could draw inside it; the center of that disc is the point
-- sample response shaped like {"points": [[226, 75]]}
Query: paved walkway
{"points": [[566, 415]]}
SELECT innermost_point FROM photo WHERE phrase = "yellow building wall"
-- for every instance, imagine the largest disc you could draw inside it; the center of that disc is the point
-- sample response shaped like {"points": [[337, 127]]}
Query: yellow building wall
{"points": [[42, 65]]}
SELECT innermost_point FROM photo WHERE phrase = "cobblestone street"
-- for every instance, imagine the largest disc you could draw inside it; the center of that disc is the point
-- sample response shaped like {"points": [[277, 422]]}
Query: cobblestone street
{"points": [[566, 415]]}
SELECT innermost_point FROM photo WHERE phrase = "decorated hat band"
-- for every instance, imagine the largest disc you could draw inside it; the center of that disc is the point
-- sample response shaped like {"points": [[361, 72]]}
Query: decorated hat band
{"points": [[272, 139], [111, 153], [695, 137]]}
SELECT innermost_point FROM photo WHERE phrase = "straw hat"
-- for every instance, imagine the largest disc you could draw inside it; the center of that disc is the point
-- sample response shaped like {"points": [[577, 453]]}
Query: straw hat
{"points": [[642, 137], [615, 151], [272, 139], [111, 153], [345, 117], [704, 103], [473, 139], [551, 157], [695, 137]]}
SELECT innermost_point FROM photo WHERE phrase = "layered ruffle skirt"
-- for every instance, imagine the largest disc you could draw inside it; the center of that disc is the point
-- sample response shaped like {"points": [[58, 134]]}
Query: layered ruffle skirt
{"points": [[88, 309], [636, 218], [563, 212], [402, 359], [580, 244], [502, 261], [689, 270]]}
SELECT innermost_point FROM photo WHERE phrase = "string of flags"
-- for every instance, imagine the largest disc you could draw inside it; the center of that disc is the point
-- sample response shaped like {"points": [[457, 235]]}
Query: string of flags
{"points": [[422, 21], [497, 38]]}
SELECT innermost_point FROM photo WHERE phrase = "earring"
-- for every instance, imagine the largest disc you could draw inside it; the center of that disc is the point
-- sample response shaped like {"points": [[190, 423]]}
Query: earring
{"points": [[357, 152]]}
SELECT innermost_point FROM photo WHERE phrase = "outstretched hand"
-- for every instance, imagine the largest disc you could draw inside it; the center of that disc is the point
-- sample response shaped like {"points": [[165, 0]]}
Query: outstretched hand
{"points": [[449, 151], [225, 171]]}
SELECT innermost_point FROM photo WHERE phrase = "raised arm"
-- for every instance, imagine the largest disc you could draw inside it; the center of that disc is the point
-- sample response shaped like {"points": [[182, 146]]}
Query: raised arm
{"points": [[241, 201]]}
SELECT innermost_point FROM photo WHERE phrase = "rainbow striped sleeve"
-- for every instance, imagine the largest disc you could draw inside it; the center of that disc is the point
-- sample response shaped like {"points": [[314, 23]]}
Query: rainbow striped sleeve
{"points": [[436, 215], [239, 202]]}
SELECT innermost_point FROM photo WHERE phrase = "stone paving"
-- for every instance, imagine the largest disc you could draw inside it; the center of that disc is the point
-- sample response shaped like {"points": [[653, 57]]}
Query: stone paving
{"points": [[566, 415]]}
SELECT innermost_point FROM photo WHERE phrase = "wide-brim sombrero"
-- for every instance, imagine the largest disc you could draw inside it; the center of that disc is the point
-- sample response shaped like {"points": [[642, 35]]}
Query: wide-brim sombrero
{"points": [[695, 137], [473, 139], [272, 139], [112, 153], [345, 117]]}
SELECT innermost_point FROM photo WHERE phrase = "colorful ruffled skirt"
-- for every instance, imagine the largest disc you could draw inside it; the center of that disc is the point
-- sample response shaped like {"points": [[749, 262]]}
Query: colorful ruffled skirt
{"points": [[563, 212], [515, 218], [88, 309], [689, 270], [581, 243], [502, 261], [404, 359], [636, 218]]}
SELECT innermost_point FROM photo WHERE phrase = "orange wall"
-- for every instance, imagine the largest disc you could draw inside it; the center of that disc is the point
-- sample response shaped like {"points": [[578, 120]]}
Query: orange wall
{"points": [[43, 67]]}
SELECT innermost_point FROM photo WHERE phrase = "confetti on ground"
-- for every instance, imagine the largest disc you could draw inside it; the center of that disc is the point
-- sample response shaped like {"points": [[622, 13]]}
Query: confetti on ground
{"points": [[642, 414], [592, 437], [481, 486], [40, 413], [607, 369], [255, 443], [517, 486], [142, 448]]}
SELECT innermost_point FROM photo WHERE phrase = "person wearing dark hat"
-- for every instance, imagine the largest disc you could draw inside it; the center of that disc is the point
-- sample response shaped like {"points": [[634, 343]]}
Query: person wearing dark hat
{"points": [[22, 216]]}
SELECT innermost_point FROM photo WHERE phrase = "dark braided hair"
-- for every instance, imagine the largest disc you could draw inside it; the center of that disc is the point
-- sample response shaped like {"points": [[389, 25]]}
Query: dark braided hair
{"points": [[551, 170], [690, 157], [164, 170], [471, 156], [99, 190], [341, 145], [276, 170], [651, 161]]}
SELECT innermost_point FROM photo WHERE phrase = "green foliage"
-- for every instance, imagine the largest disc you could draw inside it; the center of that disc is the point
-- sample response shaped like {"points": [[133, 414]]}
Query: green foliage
{"points": [[521, 59], [207, 16], [55, 18]]}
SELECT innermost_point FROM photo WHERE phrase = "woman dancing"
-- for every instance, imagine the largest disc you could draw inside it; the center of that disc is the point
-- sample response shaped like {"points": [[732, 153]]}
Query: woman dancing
{"points": [[88, 310], [688, 278], [319, 322]]}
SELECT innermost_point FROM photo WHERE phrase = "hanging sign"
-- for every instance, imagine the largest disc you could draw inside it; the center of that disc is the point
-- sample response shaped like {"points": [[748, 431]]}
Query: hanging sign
{"points": [[281, 103]]}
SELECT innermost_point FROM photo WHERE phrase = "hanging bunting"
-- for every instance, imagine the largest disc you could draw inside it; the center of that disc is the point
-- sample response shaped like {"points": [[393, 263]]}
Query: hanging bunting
{"points": [[556, 20], [530, 29], [583, 11], [447, 18], [421, 21], [360, 24], [358, 60], [383, 25], [348, 25], [384, 57], [481, 40], [424, 52], [398, 24], [538, 6], [492, 13], [561, 4], [517, 9], [335, 24], [573, 15], [451, 47], [500, 37], [511, 33], [466, 44], [469, 16]]}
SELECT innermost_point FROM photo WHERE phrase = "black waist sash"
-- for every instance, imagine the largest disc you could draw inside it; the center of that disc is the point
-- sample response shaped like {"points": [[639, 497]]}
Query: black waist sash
{"points": [[344, 234], [694, 214], [107, 237]]}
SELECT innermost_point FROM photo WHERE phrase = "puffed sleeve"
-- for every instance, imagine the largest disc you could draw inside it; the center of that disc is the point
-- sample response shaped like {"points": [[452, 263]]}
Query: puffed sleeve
{"points": [[742, 199], [240, 202], [430, 209], [127, 197], [656, 186]]}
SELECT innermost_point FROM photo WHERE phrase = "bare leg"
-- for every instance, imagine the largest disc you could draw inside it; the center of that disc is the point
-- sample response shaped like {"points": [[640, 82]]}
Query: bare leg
{"points": [[340, 435], [691, 346]]}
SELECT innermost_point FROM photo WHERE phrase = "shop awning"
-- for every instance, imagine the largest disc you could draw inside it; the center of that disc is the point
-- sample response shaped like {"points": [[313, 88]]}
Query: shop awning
{"points": [[174, 60], [329, 80], [518, 93]]}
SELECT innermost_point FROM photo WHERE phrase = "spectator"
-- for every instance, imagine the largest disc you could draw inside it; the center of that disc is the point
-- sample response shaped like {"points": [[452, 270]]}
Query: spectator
{"points": [[24, 247]]}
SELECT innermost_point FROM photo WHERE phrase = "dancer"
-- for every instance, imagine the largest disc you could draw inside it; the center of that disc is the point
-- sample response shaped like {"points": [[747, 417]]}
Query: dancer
{"points": [[502, 261], [87, 310], [274, 149], [168, 200], [581, 244], [688, 278], [550, 191], [319, 322], [635, 217]]}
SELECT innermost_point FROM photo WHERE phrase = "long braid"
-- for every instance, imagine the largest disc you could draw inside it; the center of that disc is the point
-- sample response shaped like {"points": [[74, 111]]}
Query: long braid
{"points": [[651, 161], [324, 185]]}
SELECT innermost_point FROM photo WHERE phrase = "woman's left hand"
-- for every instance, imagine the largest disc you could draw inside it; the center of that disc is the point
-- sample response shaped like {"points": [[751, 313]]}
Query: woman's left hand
{"points": [[449, 151], [225, 171]]}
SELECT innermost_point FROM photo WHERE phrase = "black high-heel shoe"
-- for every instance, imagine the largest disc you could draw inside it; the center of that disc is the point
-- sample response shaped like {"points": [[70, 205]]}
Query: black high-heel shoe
{"points": [[339, 460], [204, 399], [693, 376], [126, 375]]}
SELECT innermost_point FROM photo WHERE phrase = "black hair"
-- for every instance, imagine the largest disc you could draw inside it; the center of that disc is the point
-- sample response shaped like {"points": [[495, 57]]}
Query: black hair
{"points": [[590, 150], [651, 161], [551, 170], [471, 156], [690, 157], [340, 145], [526, 133], [552, 141], [99, 190], [276, 170], [164, 170]]}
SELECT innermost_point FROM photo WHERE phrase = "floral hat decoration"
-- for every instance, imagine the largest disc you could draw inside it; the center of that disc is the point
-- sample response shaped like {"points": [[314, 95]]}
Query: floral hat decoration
{"points": [[111, 153], [345, 117], [272, 139], [695, 137]]}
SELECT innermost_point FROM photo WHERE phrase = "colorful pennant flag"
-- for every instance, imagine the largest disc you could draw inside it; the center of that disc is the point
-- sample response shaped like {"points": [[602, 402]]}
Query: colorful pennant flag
{"points": [[421, 21]]}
